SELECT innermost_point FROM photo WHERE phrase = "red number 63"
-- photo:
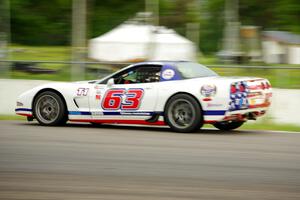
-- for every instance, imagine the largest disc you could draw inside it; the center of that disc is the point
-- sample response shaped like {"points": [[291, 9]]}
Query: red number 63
{"points": [[115, 99]]}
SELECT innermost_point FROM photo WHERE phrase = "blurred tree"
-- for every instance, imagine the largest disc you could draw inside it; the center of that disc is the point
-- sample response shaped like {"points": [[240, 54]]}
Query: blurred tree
{"points": [[277, 15], [211, 25], [175, 14], [41, 22], [268, 15], [106, 14]]}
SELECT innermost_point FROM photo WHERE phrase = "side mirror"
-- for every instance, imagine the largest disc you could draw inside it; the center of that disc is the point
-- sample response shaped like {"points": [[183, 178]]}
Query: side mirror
{"points": [[110, 82]]}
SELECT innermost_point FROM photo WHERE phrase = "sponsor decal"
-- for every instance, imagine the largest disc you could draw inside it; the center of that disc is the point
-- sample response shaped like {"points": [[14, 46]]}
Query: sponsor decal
{"points": [[97, 113], [136, 113], [98, 94], [168, 74], [98, 97], [214, 105], [208, 90]]}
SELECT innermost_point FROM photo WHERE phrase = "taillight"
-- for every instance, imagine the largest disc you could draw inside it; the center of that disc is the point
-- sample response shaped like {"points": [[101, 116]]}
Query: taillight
{"points": [[232, 89], [263, 86], [242, 88]]}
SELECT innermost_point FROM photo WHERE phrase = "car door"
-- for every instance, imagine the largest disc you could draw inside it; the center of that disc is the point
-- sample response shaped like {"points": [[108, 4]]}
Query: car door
{"points": [[133, 95]]}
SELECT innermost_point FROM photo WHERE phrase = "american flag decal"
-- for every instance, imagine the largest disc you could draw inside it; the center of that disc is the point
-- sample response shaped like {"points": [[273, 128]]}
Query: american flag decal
{"points": [[238, 96]]}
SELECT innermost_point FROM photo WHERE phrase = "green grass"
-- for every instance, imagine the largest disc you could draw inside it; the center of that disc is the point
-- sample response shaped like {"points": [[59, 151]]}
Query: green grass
{"points": [[12, 117], [278, 78], [62, 74], [270, 126], [47, 53], [208, 60], [266, 125]]}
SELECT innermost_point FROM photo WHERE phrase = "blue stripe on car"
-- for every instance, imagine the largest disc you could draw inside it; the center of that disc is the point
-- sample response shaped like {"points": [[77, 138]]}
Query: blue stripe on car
{"points": [[79, 113], [138, 113], [141, 113], [116, 113], [23, 109], [214, 112]]}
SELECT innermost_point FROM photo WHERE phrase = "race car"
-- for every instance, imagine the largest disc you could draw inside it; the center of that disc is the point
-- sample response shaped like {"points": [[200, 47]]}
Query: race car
{"points": [[182, 95]]}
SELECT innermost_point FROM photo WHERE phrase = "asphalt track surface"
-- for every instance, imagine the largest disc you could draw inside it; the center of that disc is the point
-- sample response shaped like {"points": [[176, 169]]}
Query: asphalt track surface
{"points": [[79, 161]]}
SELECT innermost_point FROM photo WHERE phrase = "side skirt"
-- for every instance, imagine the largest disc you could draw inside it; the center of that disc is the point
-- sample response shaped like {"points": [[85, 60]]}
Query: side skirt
{"points": [[120, 121]]}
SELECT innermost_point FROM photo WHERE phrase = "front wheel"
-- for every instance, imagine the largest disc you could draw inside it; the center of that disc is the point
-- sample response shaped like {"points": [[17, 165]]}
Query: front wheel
{"points": [[183, 113], [226, 126], [49, 109]]}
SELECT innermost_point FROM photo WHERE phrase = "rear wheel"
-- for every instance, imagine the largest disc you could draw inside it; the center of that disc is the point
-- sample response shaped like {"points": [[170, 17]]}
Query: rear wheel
{"points": [[183, 113], [49, 109], [226, 126]]}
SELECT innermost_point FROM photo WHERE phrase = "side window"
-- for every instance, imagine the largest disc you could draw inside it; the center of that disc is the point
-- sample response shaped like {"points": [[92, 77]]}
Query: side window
{"points": [[139, 74], [122, 76], [126, 77], [148, 74]]}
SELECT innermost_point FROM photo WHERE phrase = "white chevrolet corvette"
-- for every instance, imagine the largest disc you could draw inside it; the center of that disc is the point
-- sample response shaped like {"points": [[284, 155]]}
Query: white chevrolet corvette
{"points": [[182, 95]]}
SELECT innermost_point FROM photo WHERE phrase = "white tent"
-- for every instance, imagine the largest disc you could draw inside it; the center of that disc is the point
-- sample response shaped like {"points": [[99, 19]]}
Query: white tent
{"points": [[141, 42]]}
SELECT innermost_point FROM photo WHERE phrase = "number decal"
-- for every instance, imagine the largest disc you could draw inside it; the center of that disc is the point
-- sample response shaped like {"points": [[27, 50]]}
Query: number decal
{"points": [[115, 99], [133, 99]]}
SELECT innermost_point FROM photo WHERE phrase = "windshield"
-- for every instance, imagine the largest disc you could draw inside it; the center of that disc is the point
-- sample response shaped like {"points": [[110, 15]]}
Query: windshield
{"points": [[193, 70]]}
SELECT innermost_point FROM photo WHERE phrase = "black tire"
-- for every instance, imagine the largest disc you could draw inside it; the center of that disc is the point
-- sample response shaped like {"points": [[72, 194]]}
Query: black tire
{"points": [[49, 109], [183, 113], [227, 126]]}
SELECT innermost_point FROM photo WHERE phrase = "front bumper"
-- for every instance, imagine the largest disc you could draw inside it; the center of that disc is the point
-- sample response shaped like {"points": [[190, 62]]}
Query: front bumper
{"points": [[24, 112]]}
